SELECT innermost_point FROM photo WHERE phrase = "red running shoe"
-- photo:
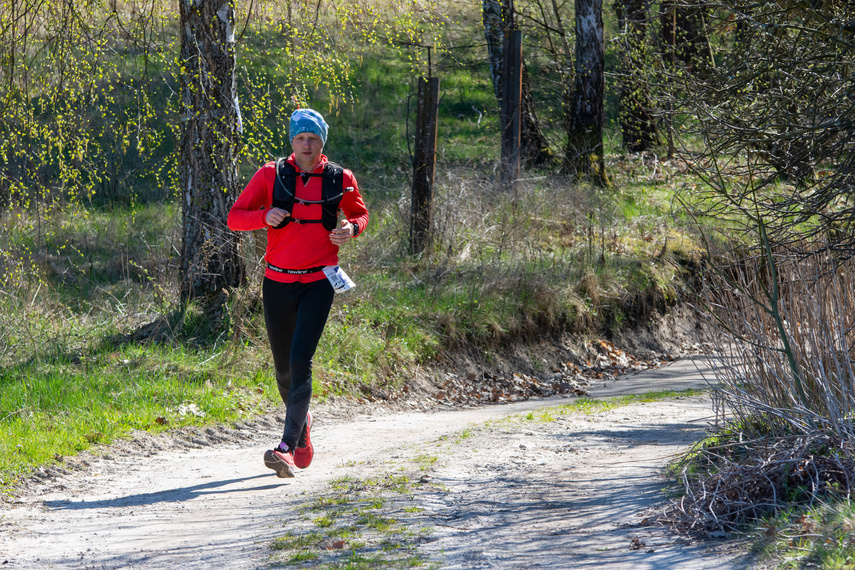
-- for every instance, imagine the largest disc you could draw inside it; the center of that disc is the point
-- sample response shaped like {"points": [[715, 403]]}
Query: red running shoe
{"points": [[304, 452], [280, 461]]}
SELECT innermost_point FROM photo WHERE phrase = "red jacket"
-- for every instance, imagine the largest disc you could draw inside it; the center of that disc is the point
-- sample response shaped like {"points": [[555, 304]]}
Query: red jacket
{"points": [[295, 246]]}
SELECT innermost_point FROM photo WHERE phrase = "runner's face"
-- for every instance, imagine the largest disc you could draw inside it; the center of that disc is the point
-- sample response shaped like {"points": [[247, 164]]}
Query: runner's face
{"points": [[307, 150]]}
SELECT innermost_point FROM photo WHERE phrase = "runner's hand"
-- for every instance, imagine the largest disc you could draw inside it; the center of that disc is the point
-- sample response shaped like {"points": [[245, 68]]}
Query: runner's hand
{"points": [[275, 216], [340, 235]]}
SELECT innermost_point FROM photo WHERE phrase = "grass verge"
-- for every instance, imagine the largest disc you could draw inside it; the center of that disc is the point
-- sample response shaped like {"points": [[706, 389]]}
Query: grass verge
{"points": [[61, 407], [819, 537]]}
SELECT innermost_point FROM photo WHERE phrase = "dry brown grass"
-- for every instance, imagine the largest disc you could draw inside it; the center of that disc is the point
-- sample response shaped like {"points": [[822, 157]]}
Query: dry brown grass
{"points": [[786, 394]]}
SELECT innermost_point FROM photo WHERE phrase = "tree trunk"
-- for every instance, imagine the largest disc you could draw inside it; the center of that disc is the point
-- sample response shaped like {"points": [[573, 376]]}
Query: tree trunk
{"points": [[534, 148], [424, 165], [638, 124], [584, 154], [684, 26], [210, 257], [494, 32]]}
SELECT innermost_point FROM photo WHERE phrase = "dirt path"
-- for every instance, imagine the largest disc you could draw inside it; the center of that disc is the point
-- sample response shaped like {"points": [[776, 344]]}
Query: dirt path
{"points": [[509, 486]]}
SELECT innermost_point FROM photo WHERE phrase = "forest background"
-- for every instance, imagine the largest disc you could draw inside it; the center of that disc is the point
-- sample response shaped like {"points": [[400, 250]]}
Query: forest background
{"points": [[672, 151]]}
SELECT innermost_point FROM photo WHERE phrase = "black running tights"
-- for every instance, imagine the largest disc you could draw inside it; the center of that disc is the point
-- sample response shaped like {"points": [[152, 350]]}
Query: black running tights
{"points": [[295, 315]]}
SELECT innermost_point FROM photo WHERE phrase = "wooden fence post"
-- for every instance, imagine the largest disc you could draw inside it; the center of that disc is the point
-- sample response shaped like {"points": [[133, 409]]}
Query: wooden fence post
{"points": [[511, 102], [424, 162]]}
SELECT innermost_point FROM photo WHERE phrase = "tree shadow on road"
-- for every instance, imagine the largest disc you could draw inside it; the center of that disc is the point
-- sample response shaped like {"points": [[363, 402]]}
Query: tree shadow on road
{"points": [[574, 498]]}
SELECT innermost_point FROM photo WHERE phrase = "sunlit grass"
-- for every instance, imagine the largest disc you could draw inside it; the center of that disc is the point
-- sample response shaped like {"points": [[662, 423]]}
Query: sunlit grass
{"points": [[589, 406], [56, 408], [817, 537]]}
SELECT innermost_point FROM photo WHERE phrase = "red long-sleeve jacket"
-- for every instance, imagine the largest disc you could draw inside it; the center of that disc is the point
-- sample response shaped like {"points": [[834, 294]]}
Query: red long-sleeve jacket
{"points": [[295, 246]]}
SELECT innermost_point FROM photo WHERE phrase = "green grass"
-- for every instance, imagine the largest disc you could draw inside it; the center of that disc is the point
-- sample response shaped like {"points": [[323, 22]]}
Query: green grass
{"points": [[818, 537], [376, 522], [298, 541], [588, 406], [344, 482], [303, 557], [54, 408], [323, 503], [426, 462], [463, 436], [376, 503], [324, 521]]}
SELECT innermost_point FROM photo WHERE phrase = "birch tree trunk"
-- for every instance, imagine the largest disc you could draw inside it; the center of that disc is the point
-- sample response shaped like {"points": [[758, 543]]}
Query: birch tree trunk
{"points": [[584, 154], [210, 260]]}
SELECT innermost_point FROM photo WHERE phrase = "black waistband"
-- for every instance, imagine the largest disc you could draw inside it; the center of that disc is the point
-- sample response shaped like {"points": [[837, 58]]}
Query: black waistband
{"points": [[295, 271]]}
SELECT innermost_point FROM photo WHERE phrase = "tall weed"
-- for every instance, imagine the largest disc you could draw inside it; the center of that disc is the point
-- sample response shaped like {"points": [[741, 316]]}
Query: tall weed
{"points": [[785, 367], [788, 340]]}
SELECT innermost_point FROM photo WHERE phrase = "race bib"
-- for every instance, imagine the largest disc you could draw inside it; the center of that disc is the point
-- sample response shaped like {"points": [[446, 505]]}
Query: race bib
{"points": [[338, 278]]}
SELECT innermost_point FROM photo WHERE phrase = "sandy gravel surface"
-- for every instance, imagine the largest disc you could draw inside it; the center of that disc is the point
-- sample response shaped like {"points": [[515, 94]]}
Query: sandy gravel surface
{"points": [[570, 491]]}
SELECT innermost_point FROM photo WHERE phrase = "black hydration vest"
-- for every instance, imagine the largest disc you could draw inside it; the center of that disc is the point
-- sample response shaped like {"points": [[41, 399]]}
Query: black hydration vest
{"points": [[285, 187]]}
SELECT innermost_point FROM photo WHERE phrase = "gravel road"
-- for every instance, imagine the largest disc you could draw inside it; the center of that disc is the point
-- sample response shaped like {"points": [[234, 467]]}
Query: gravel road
{"points": [[522, 485]]}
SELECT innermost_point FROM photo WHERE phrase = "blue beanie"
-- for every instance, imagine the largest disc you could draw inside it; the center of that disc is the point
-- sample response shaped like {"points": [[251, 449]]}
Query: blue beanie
{"points": [[308, 121]]}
